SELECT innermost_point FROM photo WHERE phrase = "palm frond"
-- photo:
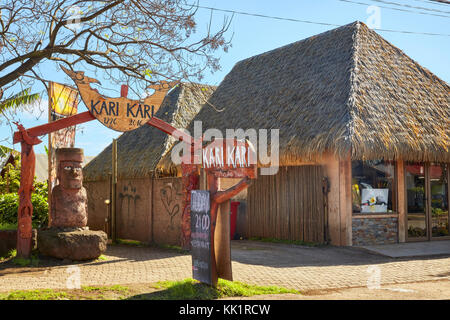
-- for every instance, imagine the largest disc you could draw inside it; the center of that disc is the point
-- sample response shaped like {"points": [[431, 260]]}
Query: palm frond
{"points": [[24, 97], [4, 151]]}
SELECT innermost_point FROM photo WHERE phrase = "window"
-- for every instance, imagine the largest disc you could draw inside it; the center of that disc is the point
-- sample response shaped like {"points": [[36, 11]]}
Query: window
{"points": [[373, 184]]}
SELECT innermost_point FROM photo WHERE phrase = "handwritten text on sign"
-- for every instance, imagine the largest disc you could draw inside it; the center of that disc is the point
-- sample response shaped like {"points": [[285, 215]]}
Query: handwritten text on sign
{"points": [[201, 236]]}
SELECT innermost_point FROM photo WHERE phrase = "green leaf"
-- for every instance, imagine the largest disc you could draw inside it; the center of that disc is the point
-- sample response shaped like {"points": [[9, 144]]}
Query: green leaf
{"points": [[148, 73], [22, 98]]}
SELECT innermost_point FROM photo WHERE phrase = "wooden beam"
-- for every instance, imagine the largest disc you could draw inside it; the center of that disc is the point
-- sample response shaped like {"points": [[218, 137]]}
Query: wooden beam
{"points": [[169, 129], [401, 201], [345, 197], [25, 212], [114, 191], [331, 164], [222, 242], [223, 196], [54, 126]]}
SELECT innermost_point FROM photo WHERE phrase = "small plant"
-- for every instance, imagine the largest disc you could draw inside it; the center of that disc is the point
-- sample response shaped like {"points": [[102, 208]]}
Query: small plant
{"points": [[102, 258], [25, 262], [114, 288], [134, 243], [10, 254], [44, 294]]}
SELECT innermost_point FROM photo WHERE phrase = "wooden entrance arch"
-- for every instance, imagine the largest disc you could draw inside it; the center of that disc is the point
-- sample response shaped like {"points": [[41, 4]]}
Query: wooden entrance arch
{"points": [[190, 172]]}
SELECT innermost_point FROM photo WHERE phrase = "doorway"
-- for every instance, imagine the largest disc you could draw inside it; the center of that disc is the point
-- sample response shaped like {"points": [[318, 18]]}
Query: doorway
{"points": [[427, 201]]}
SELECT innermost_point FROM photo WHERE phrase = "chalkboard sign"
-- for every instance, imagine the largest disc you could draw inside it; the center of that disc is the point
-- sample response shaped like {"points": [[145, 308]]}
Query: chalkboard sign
{"points": [[201, 236]]}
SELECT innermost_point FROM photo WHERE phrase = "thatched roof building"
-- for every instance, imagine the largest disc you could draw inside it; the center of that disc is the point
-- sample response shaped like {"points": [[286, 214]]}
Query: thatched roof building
{"points": [[345, 90], [337, 98], [140, 150]]}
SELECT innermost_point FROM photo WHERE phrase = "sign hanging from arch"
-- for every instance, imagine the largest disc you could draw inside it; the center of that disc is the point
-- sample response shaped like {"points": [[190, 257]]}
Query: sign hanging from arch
{"points": [[119, 114]]}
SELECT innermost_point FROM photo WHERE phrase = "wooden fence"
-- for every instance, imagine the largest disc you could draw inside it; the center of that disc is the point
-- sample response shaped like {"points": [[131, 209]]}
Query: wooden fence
{"points": [[147, 209], [289, 205]]}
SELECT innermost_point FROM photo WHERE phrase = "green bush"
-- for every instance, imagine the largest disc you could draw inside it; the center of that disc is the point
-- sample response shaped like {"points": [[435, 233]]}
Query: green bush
{"points": [[10, 182], [9, 199], [9, 205]]}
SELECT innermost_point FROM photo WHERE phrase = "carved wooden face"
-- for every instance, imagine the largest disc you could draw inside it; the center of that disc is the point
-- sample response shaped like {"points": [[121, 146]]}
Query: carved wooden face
{"points": [[70, 174]]}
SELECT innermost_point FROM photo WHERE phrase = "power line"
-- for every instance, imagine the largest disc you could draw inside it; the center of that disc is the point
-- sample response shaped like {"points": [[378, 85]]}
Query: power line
{"points": [[313, 22], [266, 16], [408, 6], [437, 3], [397, 9], [442, 1]]}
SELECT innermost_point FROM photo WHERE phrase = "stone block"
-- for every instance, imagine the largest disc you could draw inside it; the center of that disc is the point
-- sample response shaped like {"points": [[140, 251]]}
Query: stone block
{"points": [[76, 244]]}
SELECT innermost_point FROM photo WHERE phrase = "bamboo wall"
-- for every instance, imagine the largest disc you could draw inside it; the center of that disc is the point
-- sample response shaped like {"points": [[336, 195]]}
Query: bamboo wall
{"points": [[289, 205]]}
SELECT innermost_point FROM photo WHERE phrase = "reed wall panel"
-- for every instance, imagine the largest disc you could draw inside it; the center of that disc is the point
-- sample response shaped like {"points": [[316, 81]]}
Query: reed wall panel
{"points": [[288, 205]]}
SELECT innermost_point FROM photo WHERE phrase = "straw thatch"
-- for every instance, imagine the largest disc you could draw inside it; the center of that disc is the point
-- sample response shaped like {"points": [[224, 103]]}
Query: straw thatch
{"points": [[345, 90], [139, 151]]}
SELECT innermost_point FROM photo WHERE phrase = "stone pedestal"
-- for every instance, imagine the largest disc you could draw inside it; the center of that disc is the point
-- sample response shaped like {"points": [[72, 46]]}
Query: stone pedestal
{"points": [[72, 243]]}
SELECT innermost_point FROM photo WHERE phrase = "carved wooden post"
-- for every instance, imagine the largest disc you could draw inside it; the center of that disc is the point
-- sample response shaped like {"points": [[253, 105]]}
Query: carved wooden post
{"points": [[213, 186], [25, 212], [190, 182], [220, 224]]}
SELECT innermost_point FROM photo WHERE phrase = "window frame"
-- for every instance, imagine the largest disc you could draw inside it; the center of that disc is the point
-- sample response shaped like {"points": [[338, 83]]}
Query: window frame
{"points": [[394, 212]]}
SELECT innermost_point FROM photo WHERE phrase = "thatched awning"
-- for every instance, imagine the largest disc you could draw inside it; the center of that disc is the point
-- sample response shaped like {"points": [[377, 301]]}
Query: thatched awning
{"points": [[345, 90], [139, 151]]}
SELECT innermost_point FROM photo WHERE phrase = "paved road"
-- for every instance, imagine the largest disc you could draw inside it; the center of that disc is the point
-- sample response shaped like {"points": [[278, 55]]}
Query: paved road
{"points": [[298, 267]]}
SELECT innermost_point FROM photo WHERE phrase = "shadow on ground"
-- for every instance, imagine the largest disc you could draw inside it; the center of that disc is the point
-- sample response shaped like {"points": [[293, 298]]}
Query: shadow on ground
{"points": [[285, 255], [243, 251], [182, 291]]}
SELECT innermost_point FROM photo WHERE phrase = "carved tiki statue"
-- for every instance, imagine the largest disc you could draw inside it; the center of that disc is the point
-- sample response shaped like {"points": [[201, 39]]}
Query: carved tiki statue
{"points": [[69, 198]]}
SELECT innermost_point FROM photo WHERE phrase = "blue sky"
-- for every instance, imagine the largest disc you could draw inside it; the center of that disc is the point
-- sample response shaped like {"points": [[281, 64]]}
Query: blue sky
{"points": [[254, 35]]}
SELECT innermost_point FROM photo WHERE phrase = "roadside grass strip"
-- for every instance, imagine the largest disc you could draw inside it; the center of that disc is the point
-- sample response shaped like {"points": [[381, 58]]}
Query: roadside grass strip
{"points": [[190, 289]]}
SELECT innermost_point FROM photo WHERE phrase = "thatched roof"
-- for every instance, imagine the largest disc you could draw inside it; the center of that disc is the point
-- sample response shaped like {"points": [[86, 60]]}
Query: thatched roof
{"points": [[41, 166], [139, 151], [344, 90]]}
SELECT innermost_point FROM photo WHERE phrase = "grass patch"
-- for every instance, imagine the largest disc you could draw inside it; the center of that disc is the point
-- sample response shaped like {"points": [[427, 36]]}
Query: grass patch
{"points": [[85, 293], [33, 261], [190, 289], [133, 243], [296, 242], [43, 294], [178, 249], [116, 288], [10, 254], [187, 289]]}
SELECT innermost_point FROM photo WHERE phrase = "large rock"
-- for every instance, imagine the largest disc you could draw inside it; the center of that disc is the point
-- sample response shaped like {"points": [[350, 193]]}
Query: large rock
{"points": [[77, 244]]}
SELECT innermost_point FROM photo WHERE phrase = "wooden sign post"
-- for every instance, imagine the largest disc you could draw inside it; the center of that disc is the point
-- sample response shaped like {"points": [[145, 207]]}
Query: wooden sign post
{"points": [[121, 114], [221, 159], [224, 159]]}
